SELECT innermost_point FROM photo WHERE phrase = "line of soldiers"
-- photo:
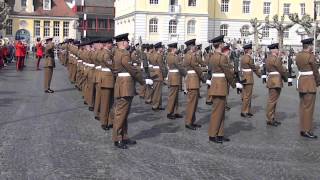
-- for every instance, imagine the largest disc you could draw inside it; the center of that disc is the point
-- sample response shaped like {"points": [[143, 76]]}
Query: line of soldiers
{"points": [[106, 74]]}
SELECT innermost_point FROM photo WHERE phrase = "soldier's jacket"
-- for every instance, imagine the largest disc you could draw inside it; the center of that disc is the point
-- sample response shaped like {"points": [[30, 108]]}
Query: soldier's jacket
{"points": [[247, 63], [191, 64], [306, 62], [106, 77], [274, 64], [49, 55], [219, 64], [135, 59], [125, 86], [174, 78], [199, 60]]}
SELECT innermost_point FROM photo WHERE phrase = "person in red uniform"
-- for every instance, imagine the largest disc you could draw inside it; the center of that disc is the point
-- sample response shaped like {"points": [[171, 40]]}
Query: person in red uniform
{"points": [[24, 52], [19, 47], [39, 52]]}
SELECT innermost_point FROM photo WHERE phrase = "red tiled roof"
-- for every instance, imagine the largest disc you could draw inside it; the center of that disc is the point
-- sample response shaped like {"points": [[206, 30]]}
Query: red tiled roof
{"points": [[59, 8]]}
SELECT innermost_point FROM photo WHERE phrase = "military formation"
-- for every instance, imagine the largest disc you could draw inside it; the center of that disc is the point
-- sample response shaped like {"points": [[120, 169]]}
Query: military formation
{"points": [[109, 73]]}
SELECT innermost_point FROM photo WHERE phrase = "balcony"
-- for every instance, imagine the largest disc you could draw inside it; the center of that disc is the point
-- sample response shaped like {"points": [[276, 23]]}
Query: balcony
{"points": [[174, 9]]}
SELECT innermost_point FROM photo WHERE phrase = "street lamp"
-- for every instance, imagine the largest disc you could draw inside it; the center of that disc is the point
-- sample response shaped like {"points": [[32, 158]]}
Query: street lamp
{"points": [[316, 2]]}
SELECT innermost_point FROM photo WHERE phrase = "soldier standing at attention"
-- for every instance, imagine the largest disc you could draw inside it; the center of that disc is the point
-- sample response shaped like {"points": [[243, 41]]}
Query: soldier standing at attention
{"points": [[247, 68], [176, 71], [158, 66], [274, 82], [97, 74], [307, 83], [106, 85], [149, 90], [124, 91], [222, 74], [49, 64], [194, 74]]}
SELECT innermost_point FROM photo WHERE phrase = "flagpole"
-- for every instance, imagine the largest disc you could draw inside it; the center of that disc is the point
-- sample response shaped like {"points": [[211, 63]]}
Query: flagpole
{"points": [[315, 27]]}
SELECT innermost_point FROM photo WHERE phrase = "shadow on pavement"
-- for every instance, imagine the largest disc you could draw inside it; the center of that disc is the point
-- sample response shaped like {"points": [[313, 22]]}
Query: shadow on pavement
{"points": [[237, 127], [156, 130]]}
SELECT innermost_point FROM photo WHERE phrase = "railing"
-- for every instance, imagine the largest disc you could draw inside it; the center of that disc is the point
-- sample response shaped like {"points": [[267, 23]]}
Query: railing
{"points": [[174, 9]]}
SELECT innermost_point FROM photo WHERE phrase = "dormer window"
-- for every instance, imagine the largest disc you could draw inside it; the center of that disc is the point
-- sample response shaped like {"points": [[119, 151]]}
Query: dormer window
{"points": [[47, 5]]}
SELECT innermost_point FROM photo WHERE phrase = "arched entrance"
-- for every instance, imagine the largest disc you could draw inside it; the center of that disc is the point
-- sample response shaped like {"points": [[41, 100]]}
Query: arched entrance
{"points": [[23, 34]]}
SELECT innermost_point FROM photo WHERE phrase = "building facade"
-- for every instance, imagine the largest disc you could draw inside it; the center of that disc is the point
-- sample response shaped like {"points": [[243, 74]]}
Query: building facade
{"points": [[96, 18], [30, 19], [181, 20], [162, 20]]}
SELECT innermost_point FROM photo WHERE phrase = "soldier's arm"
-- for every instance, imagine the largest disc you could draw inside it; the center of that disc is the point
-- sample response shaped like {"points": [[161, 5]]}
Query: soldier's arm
{"points": [[229, 73], [195, 67], [314, 66], [133, 72], [179, 65], [283, 72], [255, 68], [106, 61]]}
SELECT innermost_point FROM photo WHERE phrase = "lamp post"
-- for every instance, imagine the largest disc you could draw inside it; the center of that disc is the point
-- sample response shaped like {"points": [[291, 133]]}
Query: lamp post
{"points": [[315, 25]]}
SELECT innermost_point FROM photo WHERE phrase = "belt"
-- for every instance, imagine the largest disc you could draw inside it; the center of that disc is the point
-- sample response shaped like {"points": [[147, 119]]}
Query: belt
{"points": [[156, 67], [173, 70], [274, 73], [90, 65], [218, 75], [150, 66], [191, 72], [306, 73], [98, 67], [79, 61], [135, 64], [124, 74], [106, 70], [246, 70]]}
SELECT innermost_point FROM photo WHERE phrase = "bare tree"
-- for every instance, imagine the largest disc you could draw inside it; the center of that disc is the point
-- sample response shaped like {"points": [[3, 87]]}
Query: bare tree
{"points": [[4, 13], [256, 31], [280, 25], [306, 22]]}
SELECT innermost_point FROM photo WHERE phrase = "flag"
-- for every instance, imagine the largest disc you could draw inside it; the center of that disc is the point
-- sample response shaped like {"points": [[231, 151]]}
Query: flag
{"points": [[72, 5]]}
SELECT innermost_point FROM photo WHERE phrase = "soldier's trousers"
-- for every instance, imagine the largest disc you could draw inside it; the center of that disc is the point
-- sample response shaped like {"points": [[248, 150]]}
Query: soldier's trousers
{"points": [[120, 124], [157, 94], [74, 73], [216, 126], [97, 101], [173, 100], [246, 98], [106, 106], [142, 90], [89, 94], [274, 94], [208, 98], [48, 72], [307, 104], [192, 104], [148, 94]]}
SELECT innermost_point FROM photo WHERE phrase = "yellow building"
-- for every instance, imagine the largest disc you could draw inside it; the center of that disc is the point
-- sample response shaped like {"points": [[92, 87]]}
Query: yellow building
{"points": [[180, 20], [31, 19]]}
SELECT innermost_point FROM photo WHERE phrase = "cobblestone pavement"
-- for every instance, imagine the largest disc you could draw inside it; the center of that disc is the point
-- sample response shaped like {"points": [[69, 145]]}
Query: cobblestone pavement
{"points": [[55, 137]]}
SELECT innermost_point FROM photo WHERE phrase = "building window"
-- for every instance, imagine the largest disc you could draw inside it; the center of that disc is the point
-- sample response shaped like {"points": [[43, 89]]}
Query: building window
{"points": [[154, 2], [9, 27], [303, 8], [192, 3], [56, 28], [318, 9], [66, 29], [46, 29], [266, 8], [224, 5], [246, 7], [286, 8], [23, 3], [153, 25], [36, 28], [265, 32], [245, 31], [191, 27], [286, 34], [46, 4], [172, 27], [224, 29]]}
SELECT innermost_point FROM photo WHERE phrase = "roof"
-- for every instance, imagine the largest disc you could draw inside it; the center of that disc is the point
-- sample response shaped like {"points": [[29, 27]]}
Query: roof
{"points": [[59, 8]]}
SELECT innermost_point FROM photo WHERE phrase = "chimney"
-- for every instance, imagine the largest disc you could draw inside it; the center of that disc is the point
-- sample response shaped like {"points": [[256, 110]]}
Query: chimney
{"points": [[30, 6]]}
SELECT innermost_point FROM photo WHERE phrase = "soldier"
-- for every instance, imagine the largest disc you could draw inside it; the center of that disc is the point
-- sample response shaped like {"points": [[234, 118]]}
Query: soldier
{"points": [[49, 65], [222, 74], [207, 55], [106, 84], [307, 83], [274, 82], [123, 91], [145, 70], [158, 77], [97, 89], [149, 90], [194, 75], [39, 52], [247, 68], [176, 71]]}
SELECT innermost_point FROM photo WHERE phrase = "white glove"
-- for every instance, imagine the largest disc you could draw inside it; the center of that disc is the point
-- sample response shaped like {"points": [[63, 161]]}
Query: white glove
{"points": [[261, 65], [239, 86], [264, 76], [290, 79], [149, 82], [208, 82], [166, 79]]}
